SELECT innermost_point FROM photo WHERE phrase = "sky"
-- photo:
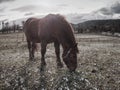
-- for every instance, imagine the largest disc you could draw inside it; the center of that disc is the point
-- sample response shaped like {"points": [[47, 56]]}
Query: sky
{"points": [[16, 9]]}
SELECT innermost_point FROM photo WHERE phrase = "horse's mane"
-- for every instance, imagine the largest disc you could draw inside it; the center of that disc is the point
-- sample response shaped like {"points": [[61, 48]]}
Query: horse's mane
{"points": [[69, 29]]}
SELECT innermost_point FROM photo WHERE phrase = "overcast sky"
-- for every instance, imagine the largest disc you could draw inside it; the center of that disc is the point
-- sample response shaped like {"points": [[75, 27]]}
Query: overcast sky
{"points": [[13, 9]]}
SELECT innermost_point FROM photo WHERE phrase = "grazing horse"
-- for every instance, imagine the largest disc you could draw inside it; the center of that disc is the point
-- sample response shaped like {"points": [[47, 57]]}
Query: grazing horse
{"points": [[52, 28]]}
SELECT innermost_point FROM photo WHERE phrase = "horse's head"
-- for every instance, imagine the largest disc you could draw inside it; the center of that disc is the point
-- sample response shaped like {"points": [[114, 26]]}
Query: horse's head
{"points": [[70, 58]]}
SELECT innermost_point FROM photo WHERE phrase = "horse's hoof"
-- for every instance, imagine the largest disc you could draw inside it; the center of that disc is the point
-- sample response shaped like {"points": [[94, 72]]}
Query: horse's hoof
{"points": [[42, 68], [43, 64], [31, 59]]}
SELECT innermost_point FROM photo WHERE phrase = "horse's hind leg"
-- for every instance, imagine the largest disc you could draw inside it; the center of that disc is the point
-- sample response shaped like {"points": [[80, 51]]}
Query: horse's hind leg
{"points": [[30, 49], [33, 50], [57, 51], [43, 51]]}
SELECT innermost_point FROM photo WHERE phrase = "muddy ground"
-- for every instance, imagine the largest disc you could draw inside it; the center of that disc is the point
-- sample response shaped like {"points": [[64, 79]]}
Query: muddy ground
{"points": [[98, 65]]}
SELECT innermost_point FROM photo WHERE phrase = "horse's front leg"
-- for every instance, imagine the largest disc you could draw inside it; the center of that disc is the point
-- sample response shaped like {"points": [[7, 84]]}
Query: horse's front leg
{"points": [[57, 51], [43, 51]]}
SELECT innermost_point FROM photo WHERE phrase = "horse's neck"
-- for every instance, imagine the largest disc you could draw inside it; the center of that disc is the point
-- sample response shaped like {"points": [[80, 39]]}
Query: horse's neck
{"points": [[67, 44]]}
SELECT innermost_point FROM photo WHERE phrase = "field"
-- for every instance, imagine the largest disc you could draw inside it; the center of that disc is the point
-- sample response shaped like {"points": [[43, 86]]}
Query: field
{"points": [[98, 65]]}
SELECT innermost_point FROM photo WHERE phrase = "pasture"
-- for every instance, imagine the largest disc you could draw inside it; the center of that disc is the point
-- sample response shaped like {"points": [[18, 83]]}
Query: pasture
{"points": [[98, 65]]}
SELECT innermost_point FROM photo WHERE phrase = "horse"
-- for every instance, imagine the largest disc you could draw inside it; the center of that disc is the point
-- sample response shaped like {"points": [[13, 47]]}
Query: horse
{"points": [[53, 28]]}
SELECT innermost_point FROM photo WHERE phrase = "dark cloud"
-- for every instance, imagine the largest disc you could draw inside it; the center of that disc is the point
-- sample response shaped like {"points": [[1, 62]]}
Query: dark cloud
{"points": [[25, 8], [115, 8], [106, 11], [1, 1]]}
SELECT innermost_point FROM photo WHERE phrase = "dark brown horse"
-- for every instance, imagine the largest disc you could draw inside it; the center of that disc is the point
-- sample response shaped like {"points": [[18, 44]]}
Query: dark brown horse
{"points": [[52, 28]]}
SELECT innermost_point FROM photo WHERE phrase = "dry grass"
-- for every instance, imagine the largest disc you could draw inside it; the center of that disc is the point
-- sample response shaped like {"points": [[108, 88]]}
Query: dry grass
{"points": [[98, 65]]}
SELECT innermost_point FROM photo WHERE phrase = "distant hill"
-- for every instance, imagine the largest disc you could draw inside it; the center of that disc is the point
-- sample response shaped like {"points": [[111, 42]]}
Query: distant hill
{"points": [[110, 25]]}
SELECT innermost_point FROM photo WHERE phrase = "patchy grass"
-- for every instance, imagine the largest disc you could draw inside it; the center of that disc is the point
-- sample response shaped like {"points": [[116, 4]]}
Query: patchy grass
{"points": [[98, 65]]}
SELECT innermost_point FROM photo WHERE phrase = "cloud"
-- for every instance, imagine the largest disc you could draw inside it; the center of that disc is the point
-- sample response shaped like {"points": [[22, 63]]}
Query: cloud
{"points": [[2, 15], [2, 1], [74, 18], [63, 5], [37, 9], [25, 8], [28, 14], [2, 9]]}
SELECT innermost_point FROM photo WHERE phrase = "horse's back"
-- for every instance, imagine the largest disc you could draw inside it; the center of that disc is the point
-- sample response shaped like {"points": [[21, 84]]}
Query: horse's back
{"points": [[51, 27]]}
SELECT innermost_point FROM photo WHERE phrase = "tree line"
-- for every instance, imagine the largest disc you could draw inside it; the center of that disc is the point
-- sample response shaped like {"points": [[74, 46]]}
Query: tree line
{"points": [[7, 28]]}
